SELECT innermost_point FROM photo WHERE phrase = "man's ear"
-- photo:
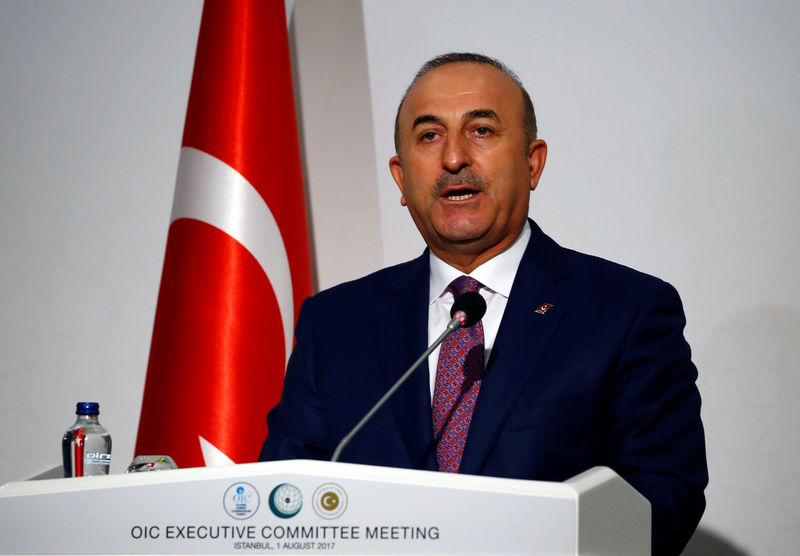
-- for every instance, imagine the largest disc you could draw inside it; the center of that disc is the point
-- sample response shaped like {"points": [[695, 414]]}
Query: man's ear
{"points": [[396, 168], [537, 155]]}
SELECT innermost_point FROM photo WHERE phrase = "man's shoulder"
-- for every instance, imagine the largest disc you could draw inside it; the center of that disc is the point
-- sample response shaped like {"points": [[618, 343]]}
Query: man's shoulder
{"points": [[599, 269], [583, 267], [367, 289], [598, 285]]}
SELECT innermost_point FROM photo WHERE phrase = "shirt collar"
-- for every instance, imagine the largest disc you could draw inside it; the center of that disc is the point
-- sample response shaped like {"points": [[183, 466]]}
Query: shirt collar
{"points": [[497, 273]]}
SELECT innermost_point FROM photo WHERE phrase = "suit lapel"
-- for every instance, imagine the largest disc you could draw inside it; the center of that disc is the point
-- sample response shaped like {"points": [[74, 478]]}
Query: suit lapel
{"points": [[400, 343], [523, 335]]}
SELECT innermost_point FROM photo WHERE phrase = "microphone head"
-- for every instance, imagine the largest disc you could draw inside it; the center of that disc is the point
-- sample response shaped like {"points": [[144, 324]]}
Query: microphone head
{"points": [[471, 305]]}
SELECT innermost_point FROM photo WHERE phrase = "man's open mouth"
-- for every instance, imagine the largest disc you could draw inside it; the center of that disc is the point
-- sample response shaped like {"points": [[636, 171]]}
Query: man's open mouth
{"points": [[460, 194]]}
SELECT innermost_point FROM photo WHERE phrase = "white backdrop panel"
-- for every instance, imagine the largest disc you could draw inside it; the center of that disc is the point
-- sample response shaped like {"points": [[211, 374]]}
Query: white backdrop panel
{"points": [[91, 119], [673, 142]]}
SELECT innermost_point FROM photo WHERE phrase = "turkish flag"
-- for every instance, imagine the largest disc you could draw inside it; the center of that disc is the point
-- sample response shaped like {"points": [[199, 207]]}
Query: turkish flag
{"points": [[237, 263]]}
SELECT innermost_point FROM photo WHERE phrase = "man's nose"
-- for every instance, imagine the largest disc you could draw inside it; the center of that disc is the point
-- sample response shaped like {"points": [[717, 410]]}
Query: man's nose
{"points": [[455, 154]]}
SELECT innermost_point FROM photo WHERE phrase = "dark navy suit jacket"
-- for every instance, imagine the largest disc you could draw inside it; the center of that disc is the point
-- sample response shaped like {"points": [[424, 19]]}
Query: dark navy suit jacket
{"points": [[604, 377]]}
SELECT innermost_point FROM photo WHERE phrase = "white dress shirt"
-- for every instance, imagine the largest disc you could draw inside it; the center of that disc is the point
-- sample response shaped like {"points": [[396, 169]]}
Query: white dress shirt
{"points": [[496, 275]]}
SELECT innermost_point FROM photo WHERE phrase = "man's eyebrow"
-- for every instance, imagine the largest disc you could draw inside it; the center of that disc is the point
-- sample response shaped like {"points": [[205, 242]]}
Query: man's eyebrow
{"points": [[426, 119], [471, 115], [481, 113]]}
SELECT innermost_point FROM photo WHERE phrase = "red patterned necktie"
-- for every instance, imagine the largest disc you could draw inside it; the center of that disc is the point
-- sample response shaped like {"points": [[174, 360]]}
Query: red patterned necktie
{"points": [[458, 381]]}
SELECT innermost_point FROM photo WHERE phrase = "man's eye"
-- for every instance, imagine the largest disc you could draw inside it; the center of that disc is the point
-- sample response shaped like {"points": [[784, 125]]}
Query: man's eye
{"points": [[483, 131], [429, 136]]}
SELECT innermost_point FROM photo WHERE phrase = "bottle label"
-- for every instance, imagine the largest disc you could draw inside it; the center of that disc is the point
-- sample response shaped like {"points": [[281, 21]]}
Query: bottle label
{"points": [[97, 458]]}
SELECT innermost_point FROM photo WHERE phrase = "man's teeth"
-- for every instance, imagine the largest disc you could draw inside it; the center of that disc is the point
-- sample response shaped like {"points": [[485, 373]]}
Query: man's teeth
{"points": [[454, 197]]}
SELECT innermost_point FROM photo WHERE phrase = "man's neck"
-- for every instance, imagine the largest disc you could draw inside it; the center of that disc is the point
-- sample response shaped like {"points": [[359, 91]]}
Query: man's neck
{"points": [[468, 260], [497, 273]]}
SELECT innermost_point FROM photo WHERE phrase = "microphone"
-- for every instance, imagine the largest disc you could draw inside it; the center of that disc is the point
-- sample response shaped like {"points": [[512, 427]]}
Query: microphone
{"points": [[468, 309]]}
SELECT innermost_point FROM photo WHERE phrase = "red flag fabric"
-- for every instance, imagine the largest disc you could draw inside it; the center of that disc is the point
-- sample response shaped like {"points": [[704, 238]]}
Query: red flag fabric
{"points": [[237, 263]]}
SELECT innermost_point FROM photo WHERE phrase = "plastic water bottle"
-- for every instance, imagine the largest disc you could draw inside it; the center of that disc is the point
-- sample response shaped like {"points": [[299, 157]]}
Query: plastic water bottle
{"points": [[86, 446]]}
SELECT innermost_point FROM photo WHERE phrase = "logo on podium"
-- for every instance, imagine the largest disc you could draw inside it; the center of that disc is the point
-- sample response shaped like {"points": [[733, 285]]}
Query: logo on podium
{"points": [[285, 500], [241, 500], [329, 501]]}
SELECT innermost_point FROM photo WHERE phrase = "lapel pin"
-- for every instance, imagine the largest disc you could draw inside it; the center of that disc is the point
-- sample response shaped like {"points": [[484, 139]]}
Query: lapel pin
{"points": [[543, 308]]}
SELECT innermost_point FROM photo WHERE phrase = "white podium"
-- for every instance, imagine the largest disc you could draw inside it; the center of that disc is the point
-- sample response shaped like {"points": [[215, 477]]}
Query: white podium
{"points": [[308, 507]]}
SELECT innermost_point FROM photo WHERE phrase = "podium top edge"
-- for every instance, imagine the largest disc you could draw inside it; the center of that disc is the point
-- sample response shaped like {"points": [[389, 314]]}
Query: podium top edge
{"points": [[569, 489]]}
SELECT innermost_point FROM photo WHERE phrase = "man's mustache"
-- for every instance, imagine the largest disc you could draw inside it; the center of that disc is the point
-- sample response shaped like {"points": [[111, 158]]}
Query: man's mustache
{"points": [[463, 177]]}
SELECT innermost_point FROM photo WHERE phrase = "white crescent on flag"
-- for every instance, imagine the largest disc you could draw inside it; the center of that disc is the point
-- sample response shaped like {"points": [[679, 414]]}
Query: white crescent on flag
{"points": [[210, 191]]}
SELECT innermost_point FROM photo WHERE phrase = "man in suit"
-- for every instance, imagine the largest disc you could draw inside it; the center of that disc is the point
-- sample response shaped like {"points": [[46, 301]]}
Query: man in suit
{"points": [[578, 361]]}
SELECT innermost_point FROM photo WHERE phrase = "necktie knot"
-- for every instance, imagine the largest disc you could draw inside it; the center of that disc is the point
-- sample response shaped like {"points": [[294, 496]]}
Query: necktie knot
{"points": [[464, 284]]}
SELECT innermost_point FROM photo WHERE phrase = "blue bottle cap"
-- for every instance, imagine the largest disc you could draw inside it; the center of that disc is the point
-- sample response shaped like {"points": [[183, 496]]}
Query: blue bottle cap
{"points": [[87, 408]]}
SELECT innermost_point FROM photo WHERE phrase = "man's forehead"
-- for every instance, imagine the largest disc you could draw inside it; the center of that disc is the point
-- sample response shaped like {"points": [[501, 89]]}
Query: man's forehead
{"points": [[464, 87]]}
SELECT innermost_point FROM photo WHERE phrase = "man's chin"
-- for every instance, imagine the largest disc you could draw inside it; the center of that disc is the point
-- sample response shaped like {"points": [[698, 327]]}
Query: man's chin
{"points": [[470, 240], [463, 234]]}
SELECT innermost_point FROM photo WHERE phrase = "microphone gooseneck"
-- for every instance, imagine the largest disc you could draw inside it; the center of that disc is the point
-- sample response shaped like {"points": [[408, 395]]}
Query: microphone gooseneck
{"points": [[468, 309]]}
